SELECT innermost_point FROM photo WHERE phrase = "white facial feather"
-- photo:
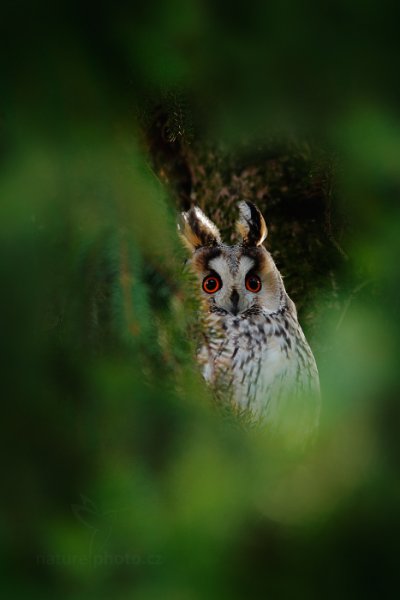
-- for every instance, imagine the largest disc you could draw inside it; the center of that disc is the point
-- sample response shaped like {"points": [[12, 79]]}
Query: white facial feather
{"points": [[234, 278]]}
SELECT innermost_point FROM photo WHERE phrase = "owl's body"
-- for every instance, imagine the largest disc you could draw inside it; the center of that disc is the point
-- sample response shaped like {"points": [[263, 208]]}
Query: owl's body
{"points": [[254, 349]]}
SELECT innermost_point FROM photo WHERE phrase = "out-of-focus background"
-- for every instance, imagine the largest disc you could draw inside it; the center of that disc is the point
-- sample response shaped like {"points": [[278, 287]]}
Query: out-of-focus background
{"points": [[120, 479]]}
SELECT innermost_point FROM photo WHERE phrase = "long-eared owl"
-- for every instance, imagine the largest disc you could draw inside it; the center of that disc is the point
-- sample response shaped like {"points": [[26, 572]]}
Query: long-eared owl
{"points": [[253, 347]]}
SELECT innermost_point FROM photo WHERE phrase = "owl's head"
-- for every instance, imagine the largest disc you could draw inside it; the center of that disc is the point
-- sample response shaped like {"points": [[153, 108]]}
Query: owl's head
{"points": [[233, 279]]}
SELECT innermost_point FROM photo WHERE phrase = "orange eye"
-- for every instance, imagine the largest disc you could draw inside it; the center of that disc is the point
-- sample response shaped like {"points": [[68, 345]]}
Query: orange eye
{"points": [[253, 283], [211, 284]]}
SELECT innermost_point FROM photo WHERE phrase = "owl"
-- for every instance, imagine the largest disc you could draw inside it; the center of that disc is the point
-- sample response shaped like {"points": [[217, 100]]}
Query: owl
{"points": [[253, 348]]}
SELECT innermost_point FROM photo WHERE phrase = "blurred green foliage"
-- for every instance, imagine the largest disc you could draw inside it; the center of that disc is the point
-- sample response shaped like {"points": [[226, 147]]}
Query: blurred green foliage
{"points": [[120, 478]]}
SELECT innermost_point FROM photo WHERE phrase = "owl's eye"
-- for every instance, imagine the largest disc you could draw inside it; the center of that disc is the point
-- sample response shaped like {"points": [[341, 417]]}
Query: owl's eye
{"points": [[253, 283], [211, 284]]}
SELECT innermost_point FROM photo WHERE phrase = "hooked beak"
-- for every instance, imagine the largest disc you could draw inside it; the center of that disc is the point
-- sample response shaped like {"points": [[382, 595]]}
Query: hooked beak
{"points": [[234, 298]]}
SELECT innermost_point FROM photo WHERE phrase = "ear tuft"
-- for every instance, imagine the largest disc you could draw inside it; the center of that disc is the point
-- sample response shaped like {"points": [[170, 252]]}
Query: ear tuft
{"points": [[197, 230], [251, 225]]}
